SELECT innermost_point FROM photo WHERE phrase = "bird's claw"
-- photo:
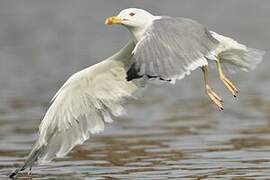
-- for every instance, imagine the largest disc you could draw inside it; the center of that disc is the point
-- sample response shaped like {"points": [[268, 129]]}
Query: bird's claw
{"points": [[214, 97], [230, 86]]}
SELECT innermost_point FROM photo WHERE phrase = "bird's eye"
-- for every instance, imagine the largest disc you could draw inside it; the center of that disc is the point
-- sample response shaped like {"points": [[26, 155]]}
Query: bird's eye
{"points": [[132, 14]]}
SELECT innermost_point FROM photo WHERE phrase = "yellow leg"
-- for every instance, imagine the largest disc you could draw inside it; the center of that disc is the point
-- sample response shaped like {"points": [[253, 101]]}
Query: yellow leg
{"points": [[230, 86], [210, 93]]}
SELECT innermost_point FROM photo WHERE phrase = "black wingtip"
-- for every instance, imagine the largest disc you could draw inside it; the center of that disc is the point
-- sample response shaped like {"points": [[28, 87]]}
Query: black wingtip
{"points": [[14, 173], [32, 158], [128, 78], [133, 73]]}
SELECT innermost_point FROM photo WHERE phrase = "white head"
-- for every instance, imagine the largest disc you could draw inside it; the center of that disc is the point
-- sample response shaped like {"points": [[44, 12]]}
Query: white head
{"points": [[136, 20]]}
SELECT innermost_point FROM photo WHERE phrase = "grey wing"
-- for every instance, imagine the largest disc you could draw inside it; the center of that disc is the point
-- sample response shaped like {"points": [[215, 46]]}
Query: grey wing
{"points": [[171, 48]]}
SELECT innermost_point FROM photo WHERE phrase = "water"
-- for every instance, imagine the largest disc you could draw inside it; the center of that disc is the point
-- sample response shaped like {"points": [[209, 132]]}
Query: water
{"points": [[172, 132]]}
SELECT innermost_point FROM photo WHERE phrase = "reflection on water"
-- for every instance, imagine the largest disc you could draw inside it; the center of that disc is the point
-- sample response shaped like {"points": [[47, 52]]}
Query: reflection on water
{"points": [[172, 132]]}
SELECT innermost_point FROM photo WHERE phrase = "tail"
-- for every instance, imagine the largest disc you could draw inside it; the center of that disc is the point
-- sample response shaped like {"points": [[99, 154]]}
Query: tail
{"points": [[236, 55], [242, 59], [29, 162]]}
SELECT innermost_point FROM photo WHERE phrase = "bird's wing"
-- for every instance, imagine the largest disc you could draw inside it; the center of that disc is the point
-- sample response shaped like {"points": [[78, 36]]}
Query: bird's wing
{"points": [[170, 48], [83, 105]]}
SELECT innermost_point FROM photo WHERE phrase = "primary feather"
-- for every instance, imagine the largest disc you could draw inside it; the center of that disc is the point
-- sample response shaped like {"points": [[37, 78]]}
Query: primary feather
{"points": [[171, 48], [82, 107]]}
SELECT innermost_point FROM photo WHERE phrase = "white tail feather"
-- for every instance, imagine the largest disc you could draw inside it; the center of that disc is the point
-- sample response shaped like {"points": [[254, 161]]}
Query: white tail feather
{"points": [[237, 56], [245, 60]]}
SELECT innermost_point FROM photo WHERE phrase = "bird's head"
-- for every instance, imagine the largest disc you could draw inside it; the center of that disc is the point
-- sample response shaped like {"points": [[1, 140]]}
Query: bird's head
{"points": [[136, 20], [131, 17]]}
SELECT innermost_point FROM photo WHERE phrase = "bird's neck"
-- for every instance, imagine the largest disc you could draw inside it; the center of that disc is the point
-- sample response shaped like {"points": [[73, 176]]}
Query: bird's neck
{"points": [[138, 32]]}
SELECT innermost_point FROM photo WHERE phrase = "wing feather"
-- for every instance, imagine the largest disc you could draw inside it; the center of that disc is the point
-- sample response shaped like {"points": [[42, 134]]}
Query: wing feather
{"points": [[172, 47], [83, 105]]}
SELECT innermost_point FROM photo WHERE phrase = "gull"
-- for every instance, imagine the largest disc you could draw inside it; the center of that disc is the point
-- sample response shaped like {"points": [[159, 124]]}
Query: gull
{"points": [[169, 48], [162, 48]]}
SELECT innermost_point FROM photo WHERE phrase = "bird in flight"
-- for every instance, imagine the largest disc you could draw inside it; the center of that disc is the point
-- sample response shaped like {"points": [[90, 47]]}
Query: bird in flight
{"points": [[162, 48], [170, 48]]}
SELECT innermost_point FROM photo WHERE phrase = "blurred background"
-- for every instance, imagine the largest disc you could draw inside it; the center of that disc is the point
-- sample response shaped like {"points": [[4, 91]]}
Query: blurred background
{"points": [[172, 132]]}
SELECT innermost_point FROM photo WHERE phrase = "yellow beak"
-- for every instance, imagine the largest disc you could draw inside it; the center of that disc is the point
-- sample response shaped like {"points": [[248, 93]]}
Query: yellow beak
{"points": [[113, 20]]}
